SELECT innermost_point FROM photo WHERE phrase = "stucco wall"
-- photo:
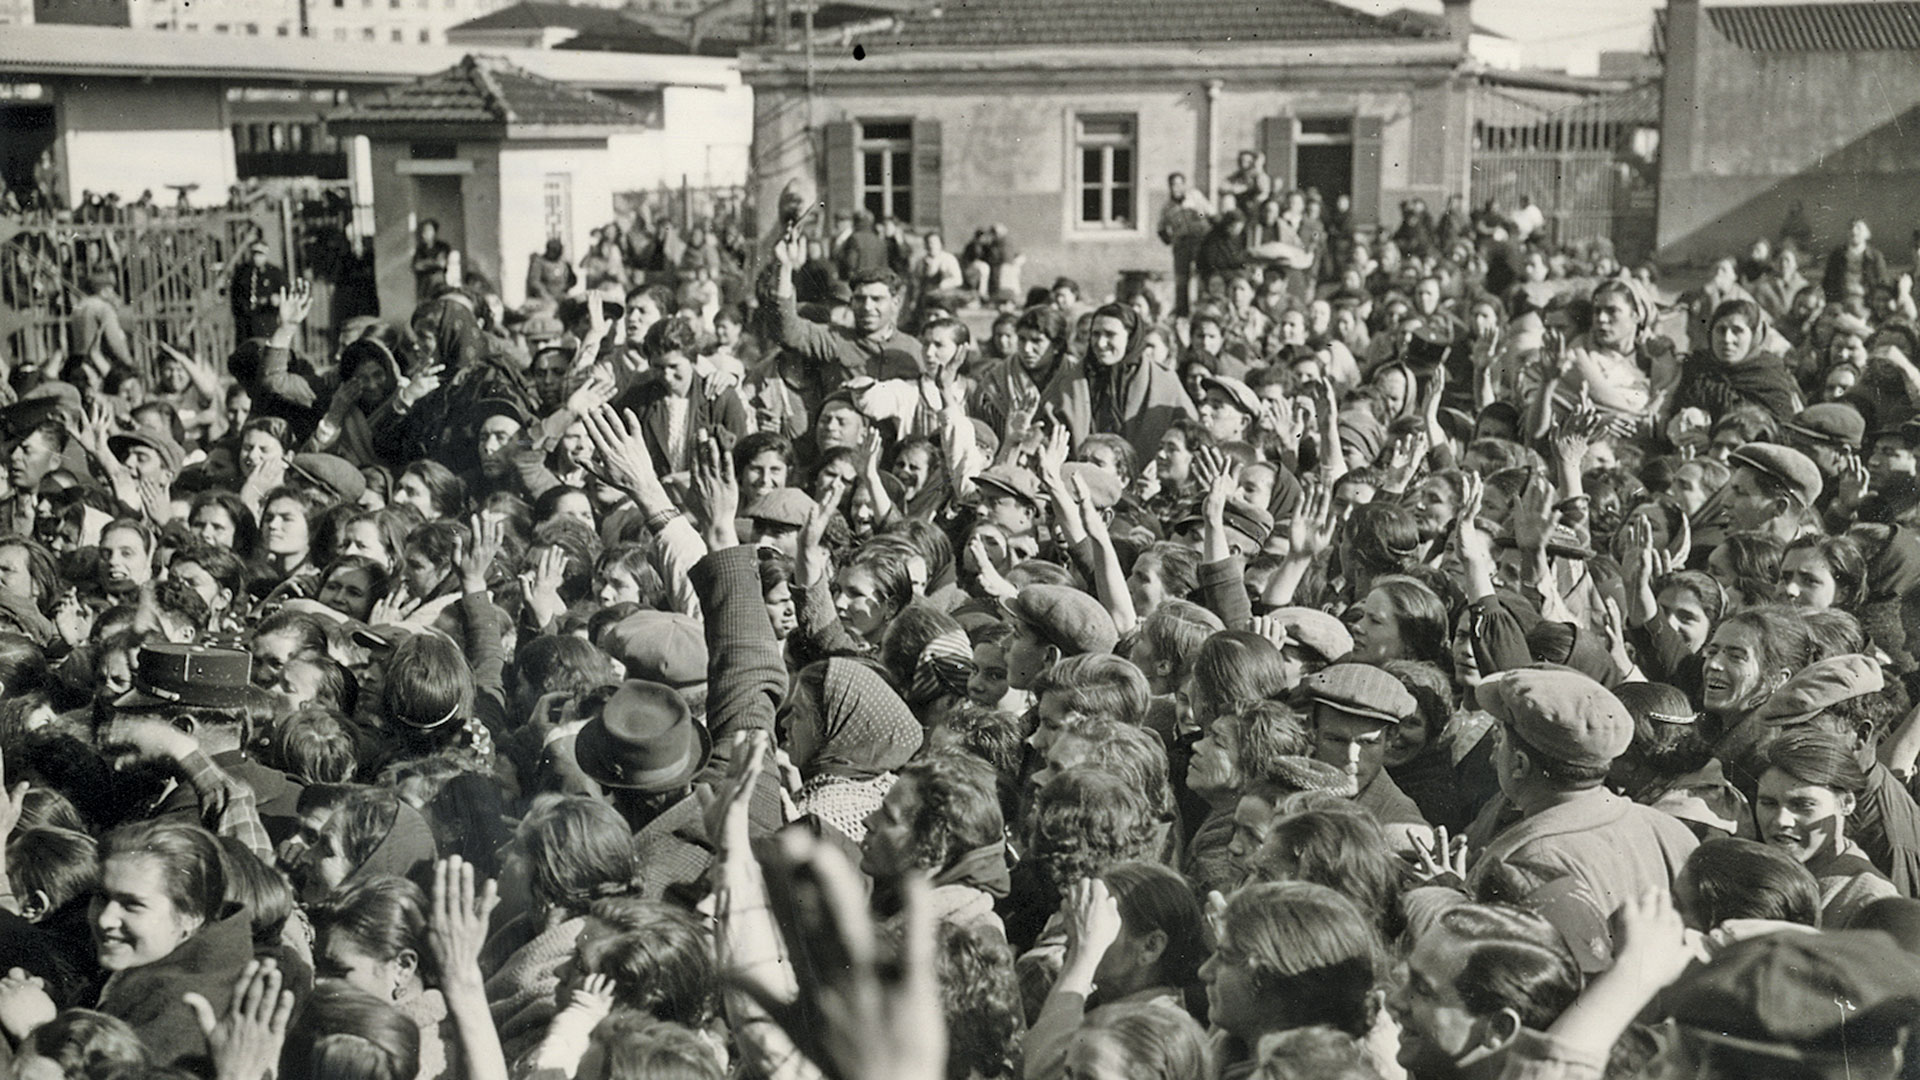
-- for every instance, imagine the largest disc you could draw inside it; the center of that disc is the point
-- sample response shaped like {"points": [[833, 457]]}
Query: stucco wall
{"points": [[396, 216], [705, 137], [126, 136], [523, 176], [1007, 154], [1838, 133]]}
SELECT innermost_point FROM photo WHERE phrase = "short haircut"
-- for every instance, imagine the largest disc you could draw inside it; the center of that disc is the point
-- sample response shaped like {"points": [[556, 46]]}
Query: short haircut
{"points": [[1743, 879], [1516, 960], [1098, 686]]}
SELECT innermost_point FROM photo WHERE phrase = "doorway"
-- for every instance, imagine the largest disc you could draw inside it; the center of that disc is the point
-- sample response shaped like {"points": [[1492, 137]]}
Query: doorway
{"points": [[440, 198], [27, 134], [1323, 156]]}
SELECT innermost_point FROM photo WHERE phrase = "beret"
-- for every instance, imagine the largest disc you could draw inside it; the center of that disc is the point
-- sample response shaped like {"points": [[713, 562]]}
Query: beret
{"points": [[1360, 690], [1785, 465], [1818, 687], [1560, 712], [1070, 620]]}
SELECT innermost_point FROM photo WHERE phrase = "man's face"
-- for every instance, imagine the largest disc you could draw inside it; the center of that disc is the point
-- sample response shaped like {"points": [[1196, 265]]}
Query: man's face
{"points": [[1010, 513], [30, 461], [145, 463], [1222, 418], [1438, 1035], [496, 436], [676, 373], [872, 308], [1748, 507], [888, 847], [1892, 457], [1353, 743], [840, 425], [1177, 187]]}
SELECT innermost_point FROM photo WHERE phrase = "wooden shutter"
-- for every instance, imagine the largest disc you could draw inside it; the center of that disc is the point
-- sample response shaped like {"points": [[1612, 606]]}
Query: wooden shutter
{"points": [[1366, 170], [843, 169], [1276, 141], [926, 174]]}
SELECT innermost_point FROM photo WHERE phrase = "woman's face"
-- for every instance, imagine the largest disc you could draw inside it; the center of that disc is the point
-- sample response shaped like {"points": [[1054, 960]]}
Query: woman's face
{"points": [[1486, 322], [1804, 820], [1733, 340], [1806, 580], [1434, 507], [1393, 387], [422, 574], [16, 577], [1107, 340], [239, 408], [1615, 323], [1148, 588], [1466, 666], [914, 468], [1406, 740], [841, 470], [349, 591], [1688, 489], [341, 957], [780, 610], [412, 491], [1033, 350], [765, 472], [1376, 633], [1208, 338], [135, 922], [856, 596], [258, 449], [1233, 1000], [363, 538], [939, 349], [1006, 342], [1732, 675], [1175, 458], [575, 505], [283, 528]]}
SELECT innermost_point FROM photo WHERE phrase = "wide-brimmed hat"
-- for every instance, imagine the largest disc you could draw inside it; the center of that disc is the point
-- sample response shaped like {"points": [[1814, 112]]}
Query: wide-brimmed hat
{"points": [[643, 739]]}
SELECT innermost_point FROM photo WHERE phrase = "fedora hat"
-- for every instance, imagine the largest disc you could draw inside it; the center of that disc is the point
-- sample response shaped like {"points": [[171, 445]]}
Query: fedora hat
{"points": [[643, 739]]}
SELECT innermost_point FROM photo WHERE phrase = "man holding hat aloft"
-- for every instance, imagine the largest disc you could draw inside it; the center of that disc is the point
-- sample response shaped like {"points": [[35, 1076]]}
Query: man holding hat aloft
{"points": [[1350, 710], [1557, 732]]}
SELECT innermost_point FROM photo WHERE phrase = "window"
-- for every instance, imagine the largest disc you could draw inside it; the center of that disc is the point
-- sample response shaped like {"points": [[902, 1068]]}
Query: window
{"points": [[399, 36], [282, 30], [253, 29], [339, 33], [557, 205], [1107, 182], [426, 36], [886, 168], [369, 34]]}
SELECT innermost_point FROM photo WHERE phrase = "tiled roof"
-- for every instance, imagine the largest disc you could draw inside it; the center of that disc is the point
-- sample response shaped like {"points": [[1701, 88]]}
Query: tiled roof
{"points": [[1869, 26], [996, 23], [541, 14], [1432, 23], [489, 90]]}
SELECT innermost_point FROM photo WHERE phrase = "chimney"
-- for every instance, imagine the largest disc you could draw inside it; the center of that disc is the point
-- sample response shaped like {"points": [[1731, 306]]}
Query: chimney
{"points": [[1459, 19]]}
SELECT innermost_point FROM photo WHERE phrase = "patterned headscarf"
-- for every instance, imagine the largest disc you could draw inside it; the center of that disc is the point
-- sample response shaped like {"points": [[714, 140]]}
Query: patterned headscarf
{"points": [[865, 729], [944, 666]]}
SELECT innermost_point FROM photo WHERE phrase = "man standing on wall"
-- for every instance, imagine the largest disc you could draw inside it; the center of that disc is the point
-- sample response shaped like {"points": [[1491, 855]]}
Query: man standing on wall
{"points": [[1183, 224]]}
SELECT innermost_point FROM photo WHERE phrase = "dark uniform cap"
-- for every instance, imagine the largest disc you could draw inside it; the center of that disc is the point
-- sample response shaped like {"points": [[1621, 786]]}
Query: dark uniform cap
{"points": [[169, 675], [1801, 996]]}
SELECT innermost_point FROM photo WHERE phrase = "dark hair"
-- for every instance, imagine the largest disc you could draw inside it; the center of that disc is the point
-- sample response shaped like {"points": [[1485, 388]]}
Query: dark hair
{"points": [[1136, 755], [1422, 618], [1179, 567], [637, 1045], [676, 333], [1515, 960], [428, 687], [446, 491], [41, 570], [1381, 536], [261, 889], [1235, 668], [189, 858], [89, 1045], [1666, 738], [1340, 846], [660, 959], [981, 997], [383, 915], [1047, 320], [61, 864], [1743, 879], [1176, 630], [755, 443], [578, 849], [1823, 758], [1310, 952], [1098, 686], [317, 745], [956, 809], [345, 1032], [1151, 1041], [1845, 562], [1152, 897]]}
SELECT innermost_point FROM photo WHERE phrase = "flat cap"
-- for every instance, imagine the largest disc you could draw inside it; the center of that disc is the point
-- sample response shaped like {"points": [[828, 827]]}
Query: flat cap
{"points": [[1819, 686], [331, 475], [170, 453], [1253, 522], [659, 646], [1359, 690], [1561, 713], [1830, 422], [1070, 620], [1011, 480], [1314, 630], [781, 506], [1801, 995], [1787, 466], [1238, 393]]}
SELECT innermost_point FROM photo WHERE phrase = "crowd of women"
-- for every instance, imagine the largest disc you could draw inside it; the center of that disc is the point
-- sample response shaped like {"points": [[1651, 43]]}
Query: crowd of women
{"points": [[1426, 669]]}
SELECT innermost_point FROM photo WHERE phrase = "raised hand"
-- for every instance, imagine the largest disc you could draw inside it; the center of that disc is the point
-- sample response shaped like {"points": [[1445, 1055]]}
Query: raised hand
{"points": [[1092, 918], [1440, 855], [1311, 529], [727, 814], [294, 302], [1054, 450], [489, 536], [24, 1003], [424, 382], [246, 1040], [1092, 518], [716, 491], [591, 394], [457, 919], [622, 449]]}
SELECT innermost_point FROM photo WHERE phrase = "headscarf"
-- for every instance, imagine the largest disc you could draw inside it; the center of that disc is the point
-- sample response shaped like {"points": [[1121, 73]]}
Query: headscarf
{"points": [[944, 666], [1137, 401], [865, 729]]}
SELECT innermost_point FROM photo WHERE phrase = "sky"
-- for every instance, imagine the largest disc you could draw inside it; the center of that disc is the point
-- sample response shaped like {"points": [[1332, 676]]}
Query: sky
{"points": [[1559, 34]]}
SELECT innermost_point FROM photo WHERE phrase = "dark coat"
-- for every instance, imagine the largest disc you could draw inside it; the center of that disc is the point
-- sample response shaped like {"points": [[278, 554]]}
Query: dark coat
{"points": [[149, 998], [649, 402]]}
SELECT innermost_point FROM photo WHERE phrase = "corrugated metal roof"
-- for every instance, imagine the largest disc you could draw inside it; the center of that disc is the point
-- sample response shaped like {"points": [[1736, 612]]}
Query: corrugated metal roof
{"points": [[990, 23], [1874, 26], [489, 90]]}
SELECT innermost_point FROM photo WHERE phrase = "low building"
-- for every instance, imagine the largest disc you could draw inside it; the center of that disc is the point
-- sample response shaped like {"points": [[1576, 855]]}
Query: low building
{"points": [[1787, 120], [502, 159], [1062, 119]]}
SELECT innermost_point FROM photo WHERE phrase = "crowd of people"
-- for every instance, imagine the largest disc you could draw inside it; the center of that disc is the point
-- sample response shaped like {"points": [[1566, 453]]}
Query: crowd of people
{"points": [[1398, 656]]}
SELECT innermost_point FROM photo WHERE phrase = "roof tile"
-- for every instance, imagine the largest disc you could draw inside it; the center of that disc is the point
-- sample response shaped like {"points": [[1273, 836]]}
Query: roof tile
{"points": [[489, 90], [998, 23]]}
